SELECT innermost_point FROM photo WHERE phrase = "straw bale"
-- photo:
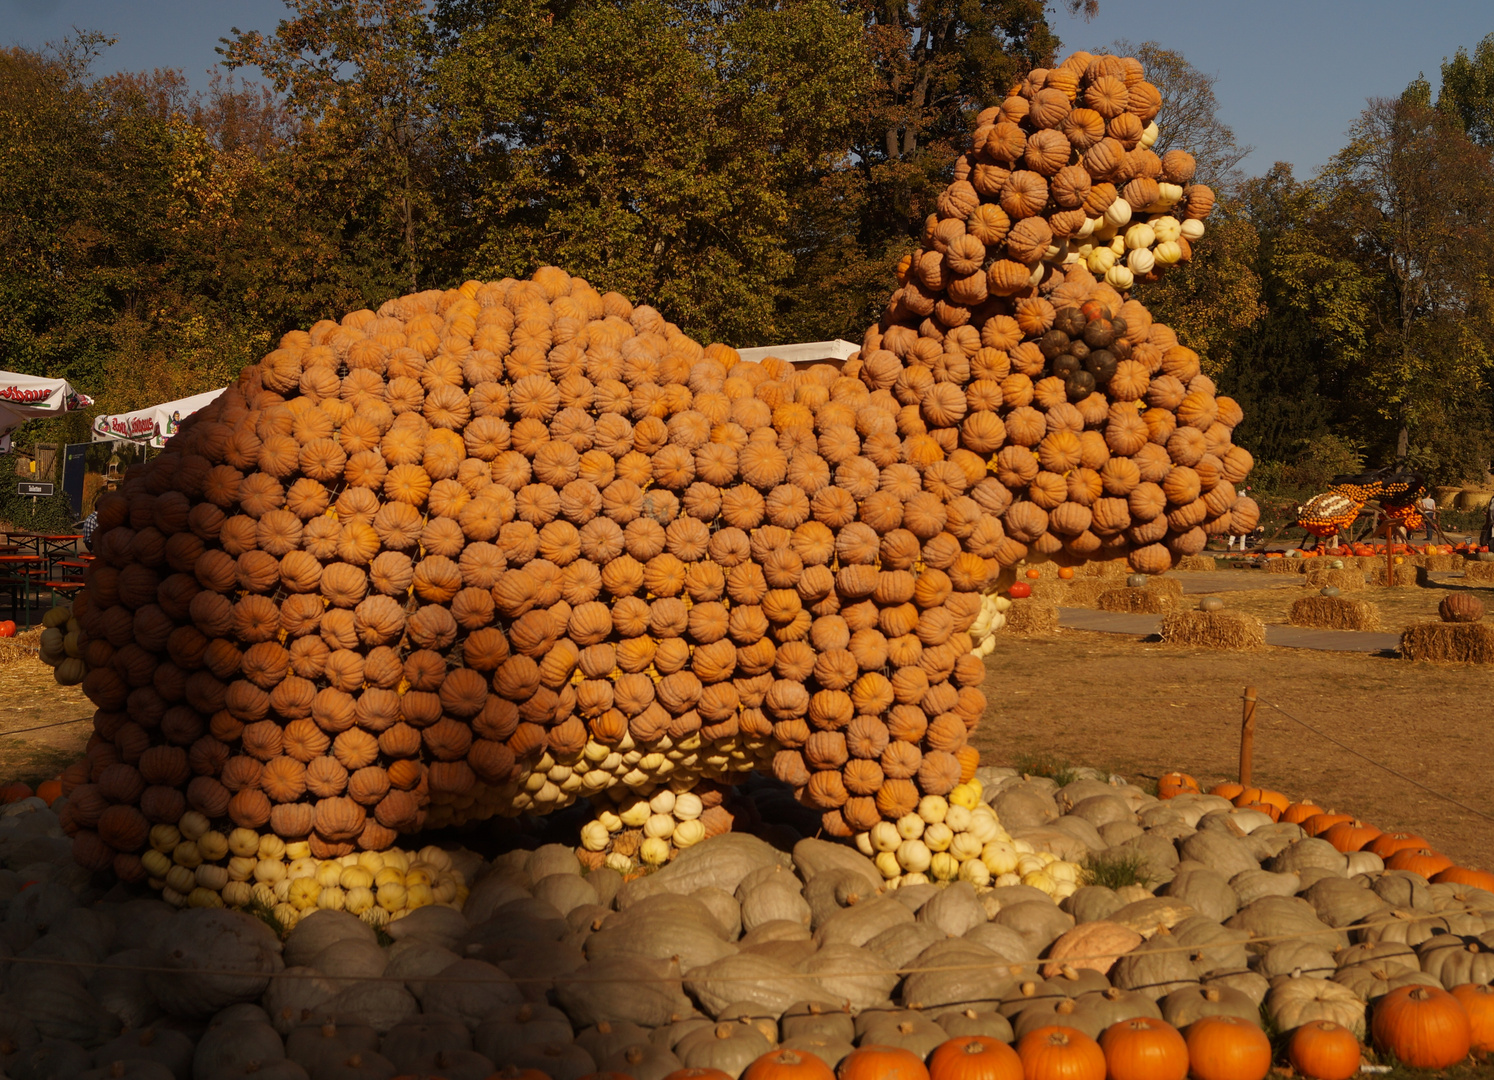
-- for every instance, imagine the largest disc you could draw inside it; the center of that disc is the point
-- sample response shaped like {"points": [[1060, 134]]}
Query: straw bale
{"points": [[1167, 586], [1334, 613], [1030, 617], [1104, 568], [24, 647], [1213, 630], [1198, 562], [1075, 592], [1284, 566], [1345, 580], [1139, 601], [1405, 574], [1441, 564], [1468, 643], [1475, 571]]}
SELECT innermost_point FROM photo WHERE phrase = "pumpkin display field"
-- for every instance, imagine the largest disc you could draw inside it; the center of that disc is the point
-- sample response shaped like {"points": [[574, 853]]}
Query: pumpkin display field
{"points": [[522, 548]]}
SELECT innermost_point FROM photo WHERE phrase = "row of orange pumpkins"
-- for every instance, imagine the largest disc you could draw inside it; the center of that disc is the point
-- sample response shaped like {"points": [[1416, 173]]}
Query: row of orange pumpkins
{"points": [[1421, 1026], [1400, 850]]}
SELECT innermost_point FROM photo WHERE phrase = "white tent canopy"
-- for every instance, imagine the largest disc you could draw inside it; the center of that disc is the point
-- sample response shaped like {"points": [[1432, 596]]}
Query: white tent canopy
{"points": [[154, 425], [804, 352], [30, 397]]}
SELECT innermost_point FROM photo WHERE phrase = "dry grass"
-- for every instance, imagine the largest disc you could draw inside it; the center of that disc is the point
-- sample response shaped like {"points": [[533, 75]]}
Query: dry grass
{"points": [[1141, 708], [1346, 580], [30, 699], [1031, 617], [1467, 643], [1139, 601], [1214, 630], [1198, 562], [1334, 613]]}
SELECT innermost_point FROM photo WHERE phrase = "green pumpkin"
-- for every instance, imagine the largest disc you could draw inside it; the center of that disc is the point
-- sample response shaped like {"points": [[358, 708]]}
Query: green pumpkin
{"points": [[1136, 581], [1211, 603], [1335, 564], [1331, 590]]}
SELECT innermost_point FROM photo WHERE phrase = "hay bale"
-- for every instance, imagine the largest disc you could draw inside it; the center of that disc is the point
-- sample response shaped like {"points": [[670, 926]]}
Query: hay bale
{"points": [[1345, 580], [1213, 630], [1198, 562], [1478, 572], [1405, 574], [1075, 592], [1334, 613], [1139, 601], [1284, 566], [1030, 617], [1466, 643], [1104, 568], [1441, 564]]}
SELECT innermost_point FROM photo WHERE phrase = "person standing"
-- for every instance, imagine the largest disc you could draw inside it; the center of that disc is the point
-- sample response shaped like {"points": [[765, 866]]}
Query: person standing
{"points": [[1428, 507]]}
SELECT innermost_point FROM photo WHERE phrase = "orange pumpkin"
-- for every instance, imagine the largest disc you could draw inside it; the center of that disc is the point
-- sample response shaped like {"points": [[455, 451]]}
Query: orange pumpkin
{"points": [[784, 1064], [1423, 861], [1066, 572], [881, 1063], [1318, 824], [1387, 844], [1323, 1050], [1175, 783], [1264, 796], [1453, 875], [1349, 836], [1423, 1026], [1142, 1048], [1477, 1000], [1227, 1048], [1033, 573], [1227, 790], [975, 1057], [49, 791], [697, 1074], [14, 791], [1060, 1053], [1300, 812]]}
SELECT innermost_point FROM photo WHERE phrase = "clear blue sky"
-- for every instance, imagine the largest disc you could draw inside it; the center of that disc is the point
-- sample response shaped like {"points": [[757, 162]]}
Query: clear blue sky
{"points": [[1292, 74]]}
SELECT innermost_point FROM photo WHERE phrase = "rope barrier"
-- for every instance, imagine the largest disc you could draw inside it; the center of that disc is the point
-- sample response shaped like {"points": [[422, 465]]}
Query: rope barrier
{"points": [[1070, 961], [44, 727], [1379, 765]]}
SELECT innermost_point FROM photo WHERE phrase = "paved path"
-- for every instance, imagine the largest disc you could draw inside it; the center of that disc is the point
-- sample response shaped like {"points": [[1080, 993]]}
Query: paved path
{"points": [[1285, 637]]}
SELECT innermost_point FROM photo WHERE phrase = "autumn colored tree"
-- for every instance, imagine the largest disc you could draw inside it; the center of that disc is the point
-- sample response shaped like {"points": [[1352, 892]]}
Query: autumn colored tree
{"points": [[1467, 94]]}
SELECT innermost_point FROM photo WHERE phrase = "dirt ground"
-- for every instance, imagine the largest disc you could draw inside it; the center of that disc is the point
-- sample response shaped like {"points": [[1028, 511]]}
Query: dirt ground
{"points": [[30, 698], [1140, 709]]}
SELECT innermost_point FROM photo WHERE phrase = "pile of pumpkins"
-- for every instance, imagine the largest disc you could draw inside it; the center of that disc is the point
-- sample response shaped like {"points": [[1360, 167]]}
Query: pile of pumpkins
{"points": [[742, 957], [495, 549]]}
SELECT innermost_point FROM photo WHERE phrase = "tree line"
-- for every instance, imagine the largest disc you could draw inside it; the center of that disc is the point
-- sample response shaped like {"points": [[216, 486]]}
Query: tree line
{"points": [[754, 170]]}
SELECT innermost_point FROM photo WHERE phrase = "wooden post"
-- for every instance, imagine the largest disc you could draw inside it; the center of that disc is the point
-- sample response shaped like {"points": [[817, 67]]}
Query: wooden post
{"points": [[1247, 736], [1389, 554]]}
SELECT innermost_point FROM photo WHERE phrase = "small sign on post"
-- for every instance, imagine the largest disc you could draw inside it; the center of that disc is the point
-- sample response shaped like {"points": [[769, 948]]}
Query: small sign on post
{"points": [[27, 487]]}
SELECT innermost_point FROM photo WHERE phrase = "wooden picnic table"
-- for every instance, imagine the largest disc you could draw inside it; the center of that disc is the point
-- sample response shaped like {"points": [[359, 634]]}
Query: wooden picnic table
{"points": [[48, 544], [17, 572]]}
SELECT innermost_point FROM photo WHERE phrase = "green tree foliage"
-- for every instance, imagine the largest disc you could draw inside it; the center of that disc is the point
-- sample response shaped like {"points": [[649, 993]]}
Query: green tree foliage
{"points": [[1467, 94], [662, 149]]}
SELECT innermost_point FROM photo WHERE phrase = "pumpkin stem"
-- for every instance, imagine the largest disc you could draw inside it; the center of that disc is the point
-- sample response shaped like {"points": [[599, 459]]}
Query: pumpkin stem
{"points": [[788, 1057]]}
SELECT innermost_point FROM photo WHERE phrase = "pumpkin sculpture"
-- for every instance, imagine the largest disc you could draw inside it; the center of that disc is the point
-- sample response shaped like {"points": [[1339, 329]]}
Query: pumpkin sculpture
{"points": [[490, 550]]}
